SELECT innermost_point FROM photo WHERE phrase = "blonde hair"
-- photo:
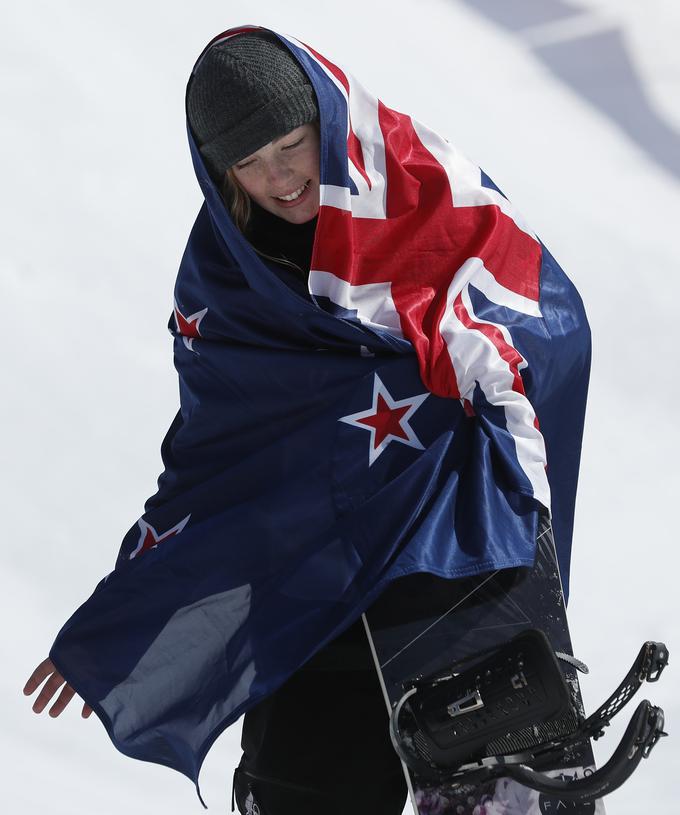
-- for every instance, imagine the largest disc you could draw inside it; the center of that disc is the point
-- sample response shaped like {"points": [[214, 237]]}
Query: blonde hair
{"points": [[236, 200]]}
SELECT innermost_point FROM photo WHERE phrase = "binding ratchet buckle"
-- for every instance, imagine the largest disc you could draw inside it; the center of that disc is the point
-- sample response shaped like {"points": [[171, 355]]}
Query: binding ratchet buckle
{"points": [[509, 712]]}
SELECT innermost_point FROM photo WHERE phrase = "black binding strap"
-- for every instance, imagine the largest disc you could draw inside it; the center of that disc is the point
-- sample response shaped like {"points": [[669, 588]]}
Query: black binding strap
{"points": [[648, 666], [643, 732]]}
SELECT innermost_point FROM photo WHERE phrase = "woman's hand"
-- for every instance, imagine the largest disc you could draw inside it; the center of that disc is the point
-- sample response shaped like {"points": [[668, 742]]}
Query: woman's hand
{"points": [[56, 680]]}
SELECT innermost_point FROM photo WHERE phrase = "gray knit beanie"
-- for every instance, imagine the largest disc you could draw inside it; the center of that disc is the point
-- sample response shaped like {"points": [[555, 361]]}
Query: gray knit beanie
{"points": [[246, 92]]}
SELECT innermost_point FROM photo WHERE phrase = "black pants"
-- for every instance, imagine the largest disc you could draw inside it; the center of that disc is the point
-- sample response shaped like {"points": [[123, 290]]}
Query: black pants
{"points": [[320, 744]]}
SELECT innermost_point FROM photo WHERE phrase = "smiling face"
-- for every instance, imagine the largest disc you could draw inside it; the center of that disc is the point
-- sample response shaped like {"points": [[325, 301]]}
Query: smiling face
{"points": [[283, 176]]}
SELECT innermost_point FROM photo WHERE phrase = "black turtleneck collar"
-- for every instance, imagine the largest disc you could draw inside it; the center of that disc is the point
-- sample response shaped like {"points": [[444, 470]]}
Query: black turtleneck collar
{"points": [[281, 239]]}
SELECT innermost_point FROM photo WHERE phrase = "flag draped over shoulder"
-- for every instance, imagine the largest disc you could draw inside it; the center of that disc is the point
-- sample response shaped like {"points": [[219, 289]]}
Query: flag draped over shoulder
{"points": [[396, 418]]}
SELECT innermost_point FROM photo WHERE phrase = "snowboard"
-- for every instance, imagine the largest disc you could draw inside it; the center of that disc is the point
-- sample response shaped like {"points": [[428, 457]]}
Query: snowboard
{"points": [[427, 624]]}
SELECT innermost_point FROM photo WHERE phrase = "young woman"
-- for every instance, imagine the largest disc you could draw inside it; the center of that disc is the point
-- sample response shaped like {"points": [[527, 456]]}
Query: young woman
{"points": [[365, 332]]}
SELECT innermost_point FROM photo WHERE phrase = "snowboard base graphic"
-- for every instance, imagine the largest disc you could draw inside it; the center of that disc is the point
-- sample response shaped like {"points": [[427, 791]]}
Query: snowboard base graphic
{"points": [[437, 623]]}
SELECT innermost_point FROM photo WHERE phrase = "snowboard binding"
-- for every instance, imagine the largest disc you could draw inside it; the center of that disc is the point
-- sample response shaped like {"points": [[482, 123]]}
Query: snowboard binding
{"points": [[509, 712]]}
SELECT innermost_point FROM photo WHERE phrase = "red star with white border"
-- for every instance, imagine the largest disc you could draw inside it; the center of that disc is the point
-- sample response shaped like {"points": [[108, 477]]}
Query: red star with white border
{"points": [[387, 420], [150, 538], [188, 327]]}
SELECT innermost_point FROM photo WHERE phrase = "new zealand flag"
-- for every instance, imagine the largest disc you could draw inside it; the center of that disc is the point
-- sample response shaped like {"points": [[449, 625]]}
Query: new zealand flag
{"points": [[413, 412]]}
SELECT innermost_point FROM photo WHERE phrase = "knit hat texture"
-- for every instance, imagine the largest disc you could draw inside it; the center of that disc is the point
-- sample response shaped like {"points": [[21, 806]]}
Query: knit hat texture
{"points": [[246, 92]]}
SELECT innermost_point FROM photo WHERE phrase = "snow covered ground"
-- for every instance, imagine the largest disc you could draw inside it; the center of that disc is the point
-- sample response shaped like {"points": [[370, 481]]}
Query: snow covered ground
{"points": [[572, 106]]}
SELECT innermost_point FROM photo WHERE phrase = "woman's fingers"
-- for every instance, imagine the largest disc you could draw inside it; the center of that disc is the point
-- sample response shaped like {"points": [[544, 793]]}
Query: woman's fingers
{"points": [[50, 687], [55, 680], [41, 673], [63, 699]]}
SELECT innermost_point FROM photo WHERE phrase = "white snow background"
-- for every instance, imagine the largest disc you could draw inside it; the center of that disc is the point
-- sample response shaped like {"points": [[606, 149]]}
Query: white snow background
{"points": [[97, 199]]}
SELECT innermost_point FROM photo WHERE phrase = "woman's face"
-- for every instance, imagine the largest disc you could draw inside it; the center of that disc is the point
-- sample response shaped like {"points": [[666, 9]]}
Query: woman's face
{"points": [[283, 176]]}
